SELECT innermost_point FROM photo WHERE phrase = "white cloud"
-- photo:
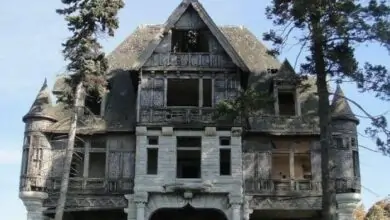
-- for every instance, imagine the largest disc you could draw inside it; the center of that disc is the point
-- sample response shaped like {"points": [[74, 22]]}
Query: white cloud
{"points": [[10, 157]]}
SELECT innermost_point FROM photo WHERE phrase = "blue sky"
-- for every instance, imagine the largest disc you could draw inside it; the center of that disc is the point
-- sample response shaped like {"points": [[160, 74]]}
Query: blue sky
{"points": [[30, 50]]}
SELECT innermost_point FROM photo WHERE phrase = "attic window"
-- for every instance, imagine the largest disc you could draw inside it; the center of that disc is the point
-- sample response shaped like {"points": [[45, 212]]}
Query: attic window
{"points": [[286, 103], [92, 104], [189, 41]]}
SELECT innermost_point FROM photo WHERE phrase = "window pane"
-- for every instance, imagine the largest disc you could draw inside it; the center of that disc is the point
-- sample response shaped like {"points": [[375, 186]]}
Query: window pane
{"points": [[224, 162]]}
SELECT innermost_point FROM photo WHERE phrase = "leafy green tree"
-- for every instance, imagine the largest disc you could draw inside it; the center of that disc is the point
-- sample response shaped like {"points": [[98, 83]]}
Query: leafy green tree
{"points": [[330, 30], [87, 65]]}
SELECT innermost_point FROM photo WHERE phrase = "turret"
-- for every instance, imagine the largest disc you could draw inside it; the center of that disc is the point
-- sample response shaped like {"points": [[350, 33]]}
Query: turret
{"points": [[36, 147], [345, 154]]}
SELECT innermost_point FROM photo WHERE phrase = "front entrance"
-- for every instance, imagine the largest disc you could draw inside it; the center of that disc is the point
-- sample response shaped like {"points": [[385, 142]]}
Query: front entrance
{"points": [[187, 213]]}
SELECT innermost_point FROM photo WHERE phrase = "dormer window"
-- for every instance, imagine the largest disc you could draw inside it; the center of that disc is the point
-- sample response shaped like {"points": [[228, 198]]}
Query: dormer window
{"points": [[286, 102], [189, 41]]}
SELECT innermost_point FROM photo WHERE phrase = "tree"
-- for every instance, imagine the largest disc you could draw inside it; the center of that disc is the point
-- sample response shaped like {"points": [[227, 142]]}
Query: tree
{"points": [[379, 211], [87, 65], [329, 30], [359, 213]]}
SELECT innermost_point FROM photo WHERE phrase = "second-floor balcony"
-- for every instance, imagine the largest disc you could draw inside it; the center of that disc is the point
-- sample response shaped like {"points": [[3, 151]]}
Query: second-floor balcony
{"points": [[77, 185], [189, 60], [282, 187], [176, 115], [285, 124]]}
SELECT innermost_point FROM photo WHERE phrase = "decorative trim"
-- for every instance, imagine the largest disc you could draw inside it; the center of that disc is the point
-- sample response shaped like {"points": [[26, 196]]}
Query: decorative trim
{"points": [[210, 131], [286, 203], [90, 202], [174, 18]]}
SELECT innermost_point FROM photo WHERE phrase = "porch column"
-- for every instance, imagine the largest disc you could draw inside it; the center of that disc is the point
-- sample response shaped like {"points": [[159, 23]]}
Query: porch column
{"points": [[235, 202], [140, 200], [347, 203], [236, 211], [140, 210], [131, 209], [34, 204]]}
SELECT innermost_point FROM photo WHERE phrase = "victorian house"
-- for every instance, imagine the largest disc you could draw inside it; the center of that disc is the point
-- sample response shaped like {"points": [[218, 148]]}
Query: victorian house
{"points": [[152, 150]]}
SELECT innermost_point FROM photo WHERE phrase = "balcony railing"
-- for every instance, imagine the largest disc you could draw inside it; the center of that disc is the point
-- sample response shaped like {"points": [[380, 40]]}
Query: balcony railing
{"points": [[180, 116], [77, 185], [285, 124], [194, 60], [270, 186]]}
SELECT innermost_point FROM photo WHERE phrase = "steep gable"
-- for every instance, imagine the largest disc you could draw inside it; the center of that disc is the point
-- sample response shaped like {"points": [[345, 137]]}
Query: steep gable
{"points": [[194, 11]]}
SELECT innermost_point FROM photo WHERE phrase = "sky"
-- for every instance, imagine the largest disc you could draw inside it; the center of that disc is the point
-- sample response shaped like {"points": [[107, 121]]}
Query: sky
{"points": [[30, 50]]}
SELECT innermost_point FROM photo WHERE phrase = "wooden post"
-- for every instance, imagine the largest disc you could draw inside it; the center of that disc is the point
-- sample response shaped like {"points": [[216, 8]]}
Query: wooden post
{"points": [[292, 167]]}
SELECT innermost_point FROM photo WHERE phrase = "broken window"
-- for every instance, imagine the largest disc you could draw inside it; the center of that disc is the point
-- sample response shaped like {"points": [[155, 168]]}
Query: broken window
{"points": [[97, 165], [224, 162], [152, 140], [185, 92], [188, 157], [189, 41], [224, 141], [286, 103], [77, 164], [152, 160], [92, 104], [280, 166]]}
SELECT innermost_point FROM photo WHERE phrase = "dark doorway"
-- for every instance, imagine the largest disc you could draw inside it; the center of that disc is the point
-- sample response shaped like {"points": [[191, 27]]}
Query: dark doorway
{"points": [[188, 213]]}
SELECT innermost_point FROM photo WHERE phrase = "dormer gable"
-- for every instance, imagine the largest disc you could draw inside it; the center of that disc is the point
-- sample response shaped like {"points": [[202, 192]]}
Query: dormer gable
{"points": [[189, 29]]}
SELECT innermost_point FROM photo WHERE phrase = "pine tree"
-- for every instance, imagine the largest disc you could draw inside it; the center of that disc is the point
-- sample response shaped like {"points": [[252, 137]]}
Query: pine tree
{"points": [[330, 30], [87, 65]]}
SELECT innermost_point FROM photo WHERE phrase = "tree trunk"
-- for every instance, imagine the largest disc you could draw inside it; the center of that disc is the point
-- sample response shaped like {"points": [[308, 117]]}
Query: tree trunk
{"points": [[68, 155], [328, 191]]}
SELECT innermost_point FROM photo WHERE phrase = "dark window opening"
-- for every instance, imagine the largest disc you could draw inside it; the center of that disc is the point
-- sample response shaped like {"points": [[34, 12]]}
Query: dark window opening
{"points": [[225, 162], [189, 157], [224, 141], [98, 142], [97, 165], [338, 142], [152, 161], [353, 142], [152, 140], [286, 103], [355, 158], [189, 41], [183, 92], [77, 165], [92, 104], [26, 155], [207, 93]]}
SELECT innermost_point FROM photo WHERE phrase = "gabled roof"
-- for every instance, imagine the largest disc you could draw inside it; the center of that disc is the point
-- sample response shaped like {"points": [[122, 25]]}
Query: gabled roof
{"points": [[253, 52], [174, 18], [42, 104], [340, 108]]}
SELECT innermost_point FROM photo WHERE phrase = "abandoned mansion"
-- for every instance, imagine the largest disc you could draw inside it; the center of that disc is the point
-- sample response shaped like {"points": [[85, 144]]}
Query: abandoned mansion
{"points": [[152, 149]]}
